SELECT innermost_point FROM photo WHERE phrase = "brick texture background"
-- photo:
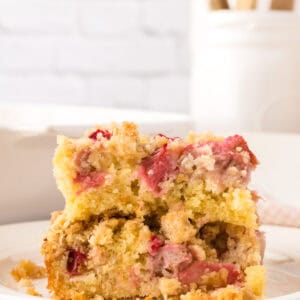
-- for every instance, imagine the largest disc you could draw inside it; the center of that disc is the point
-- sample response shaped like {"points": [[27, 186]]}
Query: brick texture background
{"points": [[121, 53]]}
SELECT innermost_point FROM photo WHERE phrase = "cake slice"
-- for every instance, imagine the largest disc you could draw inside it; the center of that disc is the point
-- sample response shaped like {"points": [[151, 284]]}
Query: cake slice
{"points": [[116, 169], [154, 216]]}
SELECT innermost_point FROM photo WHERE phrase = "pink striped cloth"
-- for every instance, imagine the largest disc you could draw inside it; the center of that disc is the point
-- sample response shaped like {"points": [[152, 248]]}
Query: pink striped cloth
{"points": [[273, 212]]}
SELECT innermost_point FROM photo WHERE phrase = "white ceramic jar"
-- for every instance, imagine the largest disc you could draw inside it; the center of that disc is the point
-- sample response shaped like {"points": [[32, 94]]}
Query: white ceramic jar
{"points": [[246, 71]]}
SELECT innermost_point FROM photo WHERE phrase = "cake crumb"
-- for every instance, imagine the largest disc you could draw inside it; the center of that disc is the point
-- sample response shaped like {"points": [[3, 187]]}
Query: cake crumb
{"points": [[27, 269], [30, 289], [169, 286], [33, 292]]}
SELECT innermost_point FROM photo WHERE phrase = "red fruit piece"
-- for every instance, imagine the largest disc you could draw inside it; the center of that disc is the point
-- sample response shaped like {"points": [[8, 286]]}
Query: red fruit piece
{"points": [[105, 133], [231, 143], [229, 154], [171, 258], [154, 245], [226, 151], [198, 268], [81, 159], [134, 277], [75, 261], [169, 138], [158, 167], [175, 260], [90, 180]]}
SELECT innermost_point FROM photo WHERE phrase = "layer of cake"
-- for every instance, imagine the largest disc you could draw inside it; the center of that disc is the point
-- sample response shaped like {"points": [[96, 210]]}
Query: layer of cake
{"points": [[117, 169], [120, 257]]}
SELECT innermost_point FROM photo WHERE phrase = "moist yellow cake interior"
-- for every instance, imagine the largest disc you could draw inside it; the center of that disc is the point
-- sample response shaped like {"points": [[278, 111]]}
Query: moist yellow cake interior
{"points": [[117, 253], [122, 192]]}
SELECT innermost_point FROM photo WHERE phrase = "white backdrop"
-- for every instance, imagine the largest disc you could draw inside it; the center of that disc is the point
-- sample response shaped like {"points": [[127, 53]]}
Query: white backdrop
{"points": [[121, 53], [113, 53]]}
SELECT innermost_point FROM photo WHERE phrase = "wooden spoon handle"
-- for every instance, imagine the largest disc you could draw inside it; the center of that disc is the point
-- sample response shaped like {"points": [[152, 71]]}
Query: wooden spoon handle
{"points": [[282, 4], [245, 4], [218, 4]]}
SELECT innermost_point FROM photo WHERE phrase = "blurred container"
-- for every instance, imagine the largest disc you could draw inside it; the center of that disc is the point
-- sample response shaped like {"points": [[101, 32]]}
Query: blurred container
{"points": [[246, 70], [27, 143]]}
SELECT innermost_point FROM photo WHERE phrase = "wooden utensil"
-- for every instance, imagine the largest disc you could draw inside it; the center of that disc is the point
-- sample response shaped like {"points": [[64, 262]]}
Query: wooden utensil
{"points": [[218, 4], [282, 4], [245, 4]]}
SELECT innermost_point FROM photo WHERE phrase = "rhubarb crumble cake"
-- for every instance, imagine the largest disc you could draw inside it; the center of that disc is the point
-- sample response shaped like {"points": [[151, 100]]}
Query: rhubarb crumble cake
{"points": [[154, 217]]}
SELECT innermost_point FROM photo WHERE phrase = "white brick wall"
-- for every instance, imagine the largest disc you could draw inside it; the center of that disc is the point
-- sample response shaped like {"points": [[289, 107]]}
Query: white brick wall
{"points": [[123, 53], [140, 55], [110, 18], [46, 88], [165, 17]]}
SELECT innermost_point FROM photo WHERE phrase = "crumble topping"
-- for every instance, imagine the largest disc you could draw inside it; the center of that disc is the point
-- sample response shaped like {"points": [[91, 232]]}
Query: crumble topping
{"points": [[24, 272], [27, 269], [30, 289]]}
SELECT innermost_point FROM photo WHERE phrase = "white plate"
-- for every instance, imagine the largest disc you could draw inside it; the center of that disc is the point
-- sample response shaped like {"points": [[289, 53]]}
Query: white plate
{"points": [[22, 241]]}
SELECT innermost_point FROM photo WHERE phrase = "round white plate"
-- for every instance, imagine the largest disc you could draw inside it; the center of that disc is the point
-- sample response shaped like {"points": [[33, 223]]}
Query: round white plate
{"points": [[23, 240]]}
